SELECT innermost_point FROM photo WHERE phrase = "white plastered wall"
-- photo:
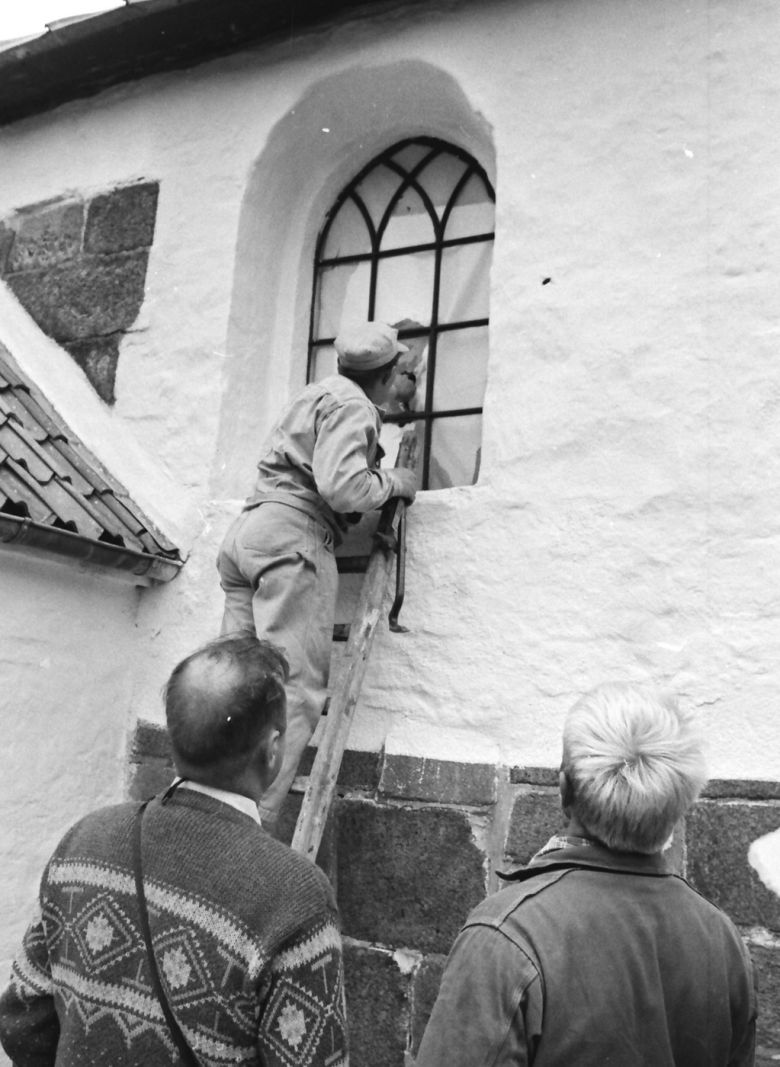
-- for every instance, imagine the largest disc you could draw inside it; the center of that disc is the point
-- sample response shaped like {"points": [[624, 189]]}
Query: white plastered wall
{"points": [[64, 703], [624, 525], [69, 648]]}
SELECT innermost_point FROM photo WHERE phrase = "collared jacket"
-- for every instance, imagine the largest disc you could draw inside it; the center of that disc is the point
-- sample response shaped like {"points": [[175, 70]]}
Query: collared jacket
{"points": [[591, 958], [322, 456]]}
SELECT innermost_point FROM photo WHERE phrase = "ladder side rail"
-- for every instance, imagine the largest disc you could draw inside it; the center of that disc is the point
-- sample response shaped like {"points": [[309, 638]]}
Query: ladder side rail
{"points": [[321, 787]]}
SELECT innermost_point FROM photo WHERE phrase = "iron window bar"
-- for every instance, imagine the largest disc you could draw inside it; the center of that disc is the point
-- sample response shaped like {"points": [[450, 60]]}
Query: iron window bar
{"points": [[405, 250], [374, 254], [422, 331]]}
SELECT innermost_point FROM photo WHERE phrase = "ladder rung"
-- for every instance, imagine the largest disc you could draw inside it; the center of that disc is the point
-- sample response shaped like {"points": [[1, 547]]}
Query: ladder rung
{"points": [[352, 564]]}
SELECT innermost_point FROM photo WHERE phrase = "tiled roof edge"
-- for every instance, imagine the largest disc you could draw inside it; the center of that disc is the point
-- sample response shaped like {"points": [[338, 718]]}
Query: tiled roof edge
{"points": [[23, 533], [29, 407], [78, 58]]}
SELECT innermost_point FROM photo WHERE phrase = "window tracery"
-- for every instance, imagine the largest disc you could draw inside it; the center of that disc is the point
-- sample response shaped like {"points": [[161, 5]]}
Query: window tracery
{"points": [[409, 241]]}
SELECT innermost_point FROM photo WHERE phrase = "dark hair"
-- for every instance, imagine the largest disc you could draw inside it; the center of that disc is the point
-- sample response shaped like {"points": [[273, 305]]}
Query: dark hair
{"points": [[367, 378], [222, 698]]}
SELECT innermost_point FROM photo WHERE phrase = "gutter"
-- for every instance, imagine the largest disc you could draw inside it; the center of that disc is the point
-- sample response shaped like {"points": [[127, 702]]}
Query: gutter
{"points": [[145, 569]]}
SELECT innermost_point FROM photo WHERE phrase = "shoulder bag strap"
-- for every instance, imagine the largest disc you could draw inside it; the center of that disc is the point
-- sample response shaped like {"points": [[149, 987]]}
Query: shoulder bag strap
{"points": [[186, 1053]]}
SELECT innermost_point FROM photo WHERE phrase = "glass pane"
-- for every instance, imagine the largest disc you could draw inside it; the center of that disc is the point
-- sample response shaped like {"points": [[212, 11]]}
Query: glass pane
{"points": [[455, 452], [465, 282], [411, 155], [390, 439], [323, 363], [377, 190], [409, 224], [343, 297], [405, 288], [474, 211], [348, 234], [461, 369], [439, 179]]}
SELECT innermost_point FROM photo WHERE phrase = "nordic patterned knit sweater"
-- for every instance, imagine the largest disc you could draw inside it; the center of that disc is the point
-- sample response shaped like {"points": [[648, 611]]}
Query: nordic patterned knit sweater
{"points": [[245, 935]]}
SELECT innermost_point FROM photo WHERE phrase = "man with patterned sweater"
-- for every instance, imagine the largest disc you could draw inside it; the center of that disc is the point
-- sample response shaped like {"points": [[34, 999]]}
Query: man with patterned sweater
{"points": [[244, 932]]}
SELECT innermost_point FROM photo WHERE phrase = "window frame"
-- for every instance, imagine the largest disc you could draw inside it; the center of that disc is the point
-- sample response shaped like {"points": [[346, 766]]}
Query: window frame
{"points": [[374, 255]]}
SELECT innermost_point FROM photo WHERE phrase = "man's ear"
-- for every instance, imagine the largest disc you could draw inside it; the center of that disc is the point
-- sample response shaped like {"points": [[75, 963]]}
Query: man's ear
{"points": [[567, 792], [273, 751], [268, 748]]}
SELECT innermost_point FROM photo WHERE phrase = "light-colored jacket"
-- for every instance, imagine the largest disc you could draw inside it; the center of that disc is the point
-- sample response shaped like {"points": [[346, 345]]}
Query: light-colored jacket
{"points": [[322, 455]]}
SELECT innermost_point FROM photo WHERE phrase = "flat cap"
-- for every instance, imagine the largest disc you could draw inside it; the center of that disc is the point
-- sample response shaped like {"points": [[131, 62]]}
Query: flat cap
{"points": [[367, 346]]}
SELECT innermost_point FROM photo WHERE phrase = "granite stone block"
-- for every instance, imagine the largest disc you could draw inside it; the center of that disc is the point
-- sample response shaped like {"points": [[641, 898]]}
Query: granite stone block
{"points": [[534, 776], [442, 781], [675, 854], [122, 219], [425, 988], [766, 960], [377, 1007], [718, 837], [98, 358], [285, 831], [742, 789], [535, 818], [359, 770], [46, 236], [80, 272], [86, 298], [288, 817], [7, 238], [149, 740], [406, 878], [150, 777]]}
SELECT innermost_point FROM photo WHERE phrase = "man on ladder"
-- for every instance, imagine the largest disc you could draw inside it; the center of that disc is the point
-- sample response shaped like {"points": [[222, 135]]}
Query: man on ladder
{"points": [[319, 467]]}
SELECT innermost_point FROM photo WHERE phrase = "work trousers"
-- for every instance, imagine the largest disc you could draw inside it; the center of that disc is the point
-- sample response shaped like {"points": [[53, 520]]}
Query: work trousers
{"points": [[278, 572]]}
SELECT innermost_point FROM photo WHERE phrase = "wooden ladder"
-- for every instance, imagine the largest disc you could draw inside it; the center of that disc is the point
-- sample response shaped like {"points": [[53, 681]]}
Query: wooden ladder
{"points": [[388, 548]]}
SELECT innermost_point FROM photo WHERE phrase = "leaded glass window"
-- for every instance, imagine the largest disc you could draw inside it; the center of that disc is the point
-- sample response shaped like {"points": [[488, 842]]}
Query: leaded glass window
{"points": [[409, 241]]}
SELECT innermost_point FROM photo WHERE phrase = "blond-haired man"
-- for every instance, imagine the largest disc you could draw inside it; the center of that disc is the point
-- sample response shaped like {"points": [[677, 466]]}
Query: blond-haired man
{"points": [[597, 953]]}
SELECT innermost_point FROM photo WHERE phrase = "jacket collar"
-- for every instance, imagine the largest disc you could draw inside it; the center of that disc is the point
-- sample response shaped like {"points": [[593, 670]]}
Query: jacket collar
{"points": [[566, 852]]}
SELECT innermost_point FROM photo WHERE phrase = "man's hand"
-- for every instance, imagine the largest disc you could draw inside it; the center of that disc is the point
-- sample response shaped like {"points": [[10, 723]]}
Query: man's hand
{"points": [[405, 483]]}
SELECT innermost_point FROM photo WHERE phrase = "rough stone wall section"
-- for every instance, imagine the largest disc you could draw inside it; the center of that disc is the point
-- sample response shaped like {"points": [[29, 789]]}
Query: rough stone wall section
{"points": [[79, 268], [414, 844]]}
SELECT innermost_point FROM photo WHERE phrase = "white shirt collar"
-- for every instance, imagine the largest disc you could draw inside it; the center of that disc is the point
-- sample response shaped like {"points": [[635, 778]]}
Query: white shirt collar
{"points": [[236, 800]]}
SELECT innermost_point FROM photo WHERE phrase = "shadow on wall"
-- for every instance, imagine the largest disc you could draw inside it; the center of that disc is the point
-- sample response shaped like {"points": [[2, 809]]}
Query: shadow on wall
{"points": [[337, 126]]}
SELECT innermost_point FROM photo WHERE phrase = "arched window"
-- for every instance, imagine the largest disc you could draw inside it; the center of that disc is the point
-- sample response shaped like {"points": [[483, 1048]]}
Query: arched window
{"points": [[409, 241]]}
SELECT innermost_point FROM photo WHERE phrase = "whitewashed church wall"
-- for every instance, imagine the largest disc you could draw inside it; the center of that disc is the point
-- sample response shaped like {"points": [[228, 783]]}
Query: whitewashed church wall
{"points": [[68, 662], [624, 524]]}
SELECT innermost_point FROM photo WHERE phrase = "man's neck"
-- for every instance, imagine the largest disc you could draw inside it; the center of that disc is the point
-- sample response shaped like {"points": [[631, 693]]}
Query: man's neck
{"points": [[227, 796], [574, 828]]}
